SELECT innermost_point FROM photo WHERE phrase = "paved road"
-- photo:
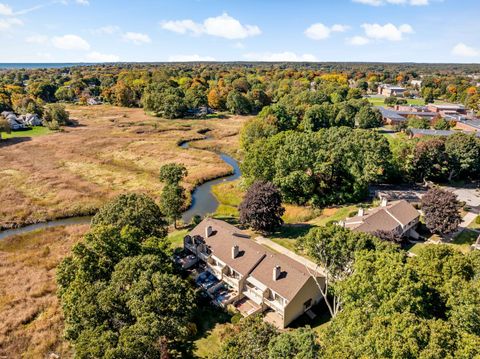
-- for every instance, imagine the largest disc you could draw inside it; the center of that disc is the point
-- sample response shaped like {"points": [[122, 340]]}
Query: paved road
{"points": [[280, 249]]}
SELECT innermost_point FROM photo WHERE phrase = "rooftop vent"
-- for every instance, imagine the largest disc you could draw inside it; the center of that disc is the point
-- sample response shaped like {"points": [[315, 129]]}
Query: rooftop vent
{"points": [[208, 231]]}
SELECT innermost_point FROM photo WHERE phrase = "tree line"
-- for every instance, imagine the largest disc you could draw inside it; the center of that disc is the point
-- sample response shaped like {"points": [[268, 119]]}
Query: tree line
{"points": [[174, 90]]}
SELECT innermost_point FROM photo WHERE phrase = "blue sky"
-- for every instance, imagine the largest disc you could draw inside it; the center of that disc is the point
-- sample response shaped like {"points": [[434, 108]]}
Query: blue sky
{"points": [[240, 30]]}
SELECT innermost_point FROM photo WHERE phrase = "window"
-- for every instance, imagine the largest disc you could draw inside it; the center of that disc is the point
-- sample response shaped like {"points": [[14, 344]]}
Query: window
{"points": [[307, 305]]}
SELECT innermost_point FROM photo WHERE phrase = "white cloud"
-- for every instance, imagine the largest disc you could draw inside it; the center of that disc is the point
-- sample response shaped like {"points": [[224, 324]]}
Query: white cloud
{"points": [[37, 39], [99, 57], [183, 27], [190, 58], [222, 26], [5, 10], [286, 56], [82, 2], [137, 38], [8, 23], [358, 40], [320, 31], [387, 32], [107, 30], [463, 50], [394, 2], [70, 42]]}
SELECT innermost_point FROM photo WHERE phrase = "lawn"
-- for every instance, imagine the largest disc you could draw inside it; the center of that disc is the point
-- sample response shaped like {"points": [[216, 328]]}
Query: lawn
{"points": [[34, 132], [380, 101], [113, 150], [465, 239], [176, 238], [230, 195], [210, 322], [475, 224], [334, 214]]}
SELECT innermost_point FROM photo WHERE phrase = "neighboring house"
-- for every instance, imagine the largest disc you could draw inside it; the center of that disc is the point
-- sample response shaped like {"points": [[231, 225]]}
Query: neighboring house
{"points": [[395, 116], [416, 83], [468, 125], [448, 109], [418, 133], [259, 280], [391, 117], [390, 90], [399, 217]]}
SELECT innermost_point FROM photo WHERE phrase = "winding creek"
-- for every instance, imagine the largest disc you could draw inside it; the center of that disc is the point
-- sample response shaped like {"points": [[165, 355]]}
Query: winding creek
{"points": [[203, 201]]}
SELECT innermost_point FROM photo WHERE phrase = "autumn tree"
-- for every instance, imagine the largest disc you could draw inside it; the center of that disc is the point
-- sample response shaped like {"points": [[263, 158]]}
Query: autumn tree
{"points": [[261, 207], [441, 211]]}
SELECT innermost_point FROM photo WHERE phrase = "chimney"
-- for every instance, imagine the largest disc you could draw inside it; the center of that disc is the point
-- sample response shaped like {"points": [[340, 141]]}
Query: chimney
{"points": [[276, 272], [208, 231], [235, 250], [361, 212], [384, 202]]}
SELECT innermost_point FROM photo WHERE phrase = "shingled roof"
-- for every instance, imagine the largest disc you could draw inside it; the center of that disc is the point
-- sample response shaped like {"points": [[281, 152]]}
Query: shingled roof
{"points": [[384, 218], [253, 259]]}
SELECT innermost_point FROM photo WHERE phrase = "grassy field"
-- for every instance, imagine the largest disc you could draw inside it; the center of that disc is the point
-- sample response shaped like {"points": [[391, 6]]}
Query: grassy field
{"points": [[32, 322], [112, 150], [34, 132], [380, 101]]}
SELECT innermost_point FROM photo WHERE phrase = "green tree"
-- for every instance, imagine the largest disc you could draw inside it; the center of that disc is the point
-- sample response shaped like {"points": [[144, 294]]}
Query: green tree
{"points": [[333, 249], [463, 151], [172, 173], [430, 160], [57, 113], [172, 201], [296, 344], [4, 127], [249, 339], [173, 195], [368, 117], [134, 210], [418, 122], [164, 100], [442, 124], [238, 103]]}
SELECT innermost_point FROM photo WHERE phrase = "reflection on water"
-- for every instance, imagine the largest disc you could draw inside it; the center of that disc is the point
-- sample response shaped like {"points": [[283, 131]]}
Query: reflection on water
{"points": [[203, 200], [56, 223]]}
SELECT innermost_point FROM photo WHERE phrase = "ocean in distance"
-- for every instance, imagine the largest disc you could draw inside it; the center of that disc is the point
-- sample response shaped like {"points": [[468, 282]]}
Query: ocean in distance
{"points": [[8, 66]]}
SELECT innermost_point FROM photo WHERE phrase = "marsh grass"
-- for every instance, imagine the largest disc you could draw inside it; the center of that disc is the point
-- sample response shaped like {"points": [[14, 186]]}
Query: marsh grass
{"points": [[32, 321], [113, 150]]}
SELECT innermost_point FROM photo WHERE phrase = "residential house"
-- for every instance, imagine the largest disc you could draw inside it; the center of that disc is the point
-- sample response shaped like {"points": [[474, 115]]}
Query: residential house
{"points": [[447, 109], [260, 279], [418, 133], [468, 125], [399, 217]]}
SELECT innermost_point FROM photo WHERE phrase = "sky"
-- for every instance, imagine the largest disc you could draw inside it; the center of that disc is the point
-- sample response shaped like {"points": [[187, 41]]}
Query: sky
{"points": [[239, 30]]}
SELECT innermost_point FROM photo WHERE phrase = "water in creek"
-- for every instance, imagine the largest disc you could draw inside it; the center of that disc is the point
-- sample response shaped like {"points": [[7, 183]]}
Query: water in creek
{"points": [[203, 202]]}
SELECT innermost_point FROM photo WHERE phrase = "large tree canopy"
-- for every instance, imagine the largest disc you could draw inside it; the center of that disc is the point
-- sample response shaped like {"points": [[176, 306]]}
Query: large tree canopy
{"points": [[135, 210], [333, 165]]}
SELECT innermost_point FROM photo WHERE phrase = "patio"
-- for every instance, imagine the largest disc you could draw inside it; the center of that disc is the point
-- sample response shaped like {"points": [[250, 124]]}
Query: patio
{"points": [[247, 307]]}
